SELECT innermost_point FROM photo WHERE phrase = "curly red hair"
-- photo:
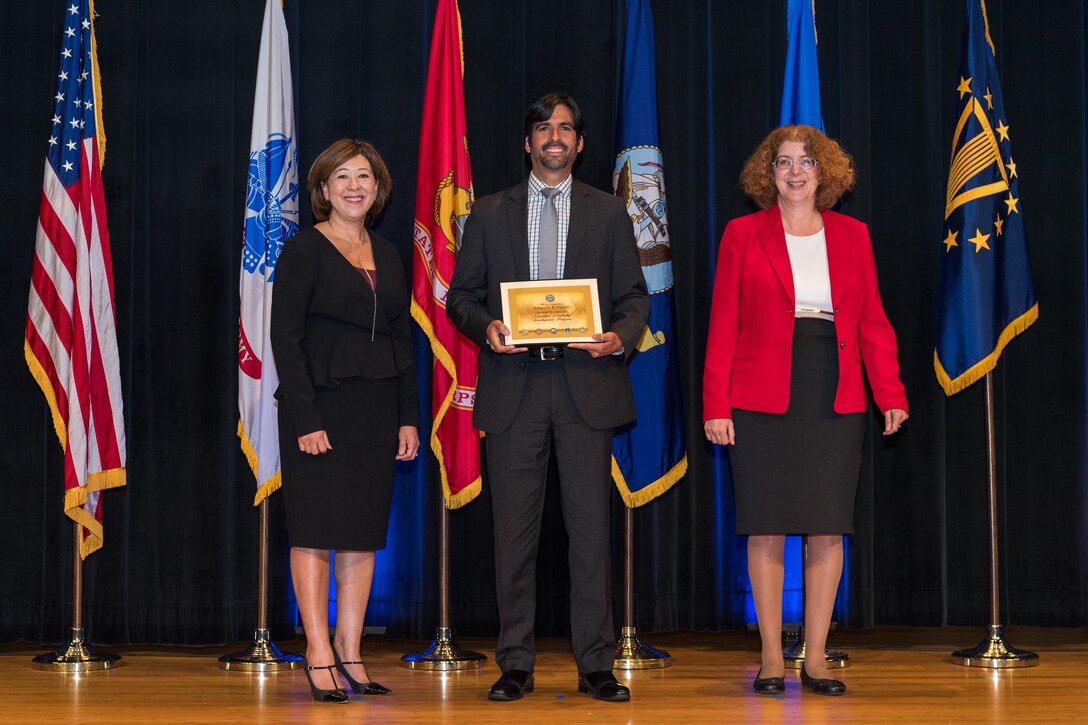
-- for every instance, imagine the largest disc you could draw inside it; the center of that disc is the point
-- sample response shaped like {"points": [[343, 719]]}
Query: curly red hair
{"points": [[836, 167]]}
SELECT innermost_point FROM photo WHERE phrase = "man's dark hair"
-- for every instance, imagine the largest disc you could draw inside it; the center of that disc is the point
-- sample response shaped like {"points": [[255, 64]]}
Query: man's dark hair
{"points": [[543, 108]]}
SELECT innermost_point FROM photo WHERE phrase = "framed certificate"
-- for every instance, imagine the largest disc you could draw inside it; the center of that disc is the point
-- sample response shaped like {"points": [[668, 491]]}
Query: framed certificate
{"points": [[551, 311]]}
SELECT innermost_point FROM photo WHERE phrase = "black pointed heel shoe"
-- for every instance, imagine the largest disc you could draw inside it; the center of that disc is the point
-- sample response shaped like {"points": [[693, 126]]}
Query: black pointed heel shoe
{"points": [[335, 695], [359, 688], [822, 685], [769, 685]]}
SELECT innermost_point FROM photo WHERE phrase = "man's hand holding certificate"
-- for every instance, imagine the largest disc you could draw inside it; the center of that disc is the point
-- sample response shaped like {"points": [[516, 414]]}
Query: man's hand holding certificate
{"points": [[552, 312]]}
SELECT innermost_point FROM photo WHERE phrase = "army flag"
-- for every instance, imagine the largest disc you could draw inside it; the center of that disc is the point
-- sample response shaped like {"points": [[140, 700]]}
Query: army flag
{"points": [[71, 337], [986, 294], [801, 81], [271, 217], [443, 203], [648, 456]]}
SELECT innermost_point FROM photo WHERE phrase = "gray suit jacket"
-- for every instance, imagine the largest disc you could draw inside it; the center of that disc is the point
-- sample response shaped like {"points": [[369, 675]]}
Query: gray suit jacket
{"points": [[600, 244]]}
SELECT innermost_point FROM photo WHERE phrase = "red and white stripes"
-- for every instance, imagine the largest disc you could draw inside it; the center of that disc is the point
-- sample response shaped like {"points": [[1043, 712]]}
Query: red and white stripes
{"points": [[71, 339]]}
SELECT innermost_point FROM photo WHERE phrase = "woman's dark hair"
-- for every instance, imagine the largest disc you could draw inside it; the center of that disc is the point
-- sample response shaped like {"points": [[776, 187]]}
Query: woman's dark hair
{"points": [[331, 159]]}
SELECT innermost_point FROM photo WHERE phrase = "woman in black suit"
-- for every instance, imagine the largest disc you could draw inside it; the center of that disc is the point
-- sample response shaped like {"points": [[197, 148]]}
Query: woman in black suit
{"points": [[348, 409]]}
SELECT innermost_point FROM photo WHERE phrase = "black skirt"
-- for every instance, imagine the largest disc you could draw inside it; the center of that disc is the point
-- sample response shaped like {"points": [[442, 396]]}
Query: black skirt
{"points": [[797, 473], [341, 499]]}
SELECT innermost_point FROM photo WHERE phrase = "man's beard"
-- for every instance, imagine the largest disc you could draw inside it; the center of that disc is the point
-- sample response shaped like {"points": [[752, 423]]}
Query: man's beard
{"points": [[553, 163]]}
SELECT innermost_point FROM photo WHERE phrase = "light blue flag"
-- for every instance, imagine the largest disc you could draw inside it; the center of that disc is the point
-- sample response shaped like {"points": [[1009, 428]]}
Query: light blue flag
{"points": [[648, 456], [801, 81]]}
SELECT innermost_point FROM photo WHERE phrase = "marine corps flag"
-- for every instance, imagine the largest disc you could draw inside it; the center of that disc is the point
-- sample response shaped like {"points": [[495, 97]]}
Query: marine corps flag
{"points": [[986, 295], [648, 456], [443, 202], [71, 337]]}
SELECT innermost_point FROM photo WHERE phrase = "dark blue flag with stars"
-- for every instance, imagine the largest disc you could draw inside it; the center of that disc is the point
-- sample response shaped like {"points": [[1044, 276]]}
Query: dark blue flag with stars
{"points": [[986, 295]]}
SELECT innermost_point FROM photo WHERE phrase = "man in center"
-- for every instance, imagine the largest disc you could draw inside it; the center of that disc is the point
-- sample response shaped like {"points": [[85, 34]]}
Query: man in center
{"points": [[531, 400]]}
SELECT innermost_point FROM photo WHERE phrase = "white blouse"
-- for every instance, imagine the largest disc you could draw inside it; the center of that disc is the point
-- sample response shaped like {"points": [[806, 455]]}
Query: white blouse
{"points": [[811, 279]]}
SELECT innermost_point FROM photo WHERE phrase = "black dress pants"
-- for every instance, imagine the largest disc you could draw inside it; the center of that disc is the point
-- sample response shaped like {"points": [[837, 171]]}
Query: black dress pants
{"points": [[517, 462]]}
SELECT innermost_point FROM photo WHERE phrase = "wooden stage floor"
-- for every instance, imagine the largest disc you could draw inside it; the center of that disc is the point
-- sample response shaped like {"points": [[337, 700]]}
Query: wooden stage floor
{"points": [[896, 675]]}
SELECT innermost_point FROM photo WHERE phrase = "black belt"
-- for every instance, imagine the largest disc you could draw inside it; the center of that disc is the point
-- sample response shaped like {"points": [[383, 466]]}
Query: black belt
{"points": [[546, 352]]}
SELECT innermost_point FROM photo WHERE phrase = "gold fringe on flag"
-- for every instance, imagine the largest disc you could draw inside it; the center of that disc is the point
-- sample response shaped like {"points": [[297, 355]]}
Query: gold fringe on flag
{"points": [[471, 491], [100, 127], [267, 488], [977, 371], [652, 491]]}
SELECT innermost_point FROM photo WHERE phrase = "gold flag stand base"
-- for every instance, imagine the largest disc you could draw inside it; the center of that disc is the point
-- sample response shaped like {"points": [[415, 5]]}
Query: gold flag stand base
{"points": [[444, 655], [76, 656], [794, 655], [631, 654], [994, 652], [262, 655]]}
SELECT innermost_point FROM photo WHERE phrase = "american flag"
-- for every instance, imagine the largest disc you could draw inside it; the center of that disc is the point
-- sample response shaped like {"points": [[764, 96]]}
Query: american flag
{"points": [[71, 340]]}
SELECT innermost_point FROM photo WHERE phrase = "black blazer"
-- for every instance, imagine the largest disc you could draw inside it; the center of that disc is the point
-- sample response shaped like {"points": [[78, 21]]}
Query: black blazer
{"points": [[322, 315], [600, 244]]}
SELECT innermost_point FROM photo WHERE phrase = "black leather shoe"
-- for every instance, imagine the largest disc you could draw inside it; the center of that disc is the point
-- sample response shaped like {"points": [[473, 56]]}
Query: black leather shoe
{"points": [[374, 688], [512, 685], [335, 695], [359, 688], [822, 685], [603, 686], [769, 685]]}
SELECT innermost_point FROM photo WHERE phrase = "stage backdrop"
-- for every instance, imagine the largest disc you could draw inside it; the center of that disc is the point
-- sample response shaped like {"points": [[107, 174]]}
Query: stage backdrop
{"points": [[179, 560]]}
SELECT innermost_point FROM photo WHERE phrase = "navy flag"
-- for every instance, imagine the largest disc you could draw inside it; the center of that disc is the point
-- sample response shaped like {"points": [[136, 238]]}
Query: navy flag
{"points": [[986, 296], [648, 456]]}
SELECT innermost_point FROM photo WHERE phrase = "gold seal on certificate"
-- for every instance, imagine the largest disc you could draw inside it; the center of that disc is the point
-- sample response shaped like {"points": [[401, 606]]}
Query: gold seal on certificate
{"points": [[551, 311]]}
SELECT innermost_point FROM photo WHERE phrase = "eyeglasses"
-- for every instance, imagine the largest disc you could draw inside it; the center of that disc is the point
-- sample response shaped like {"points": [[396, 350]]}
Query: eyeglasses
{"points": [[785, 163]]}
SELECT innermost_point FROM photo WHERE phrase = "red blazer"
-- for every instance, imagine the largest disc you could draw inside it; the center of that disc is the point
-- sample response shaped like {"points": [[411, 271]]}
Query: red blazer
{"points": [[750, 341]]}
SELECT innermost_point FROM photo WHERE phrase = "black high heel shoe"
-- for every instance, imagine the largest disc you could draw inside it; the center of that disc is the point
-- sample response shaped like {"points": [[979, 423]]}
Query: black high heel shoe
{"points": [[768, 685], [335, 695], [822, 685], [359, 688]]}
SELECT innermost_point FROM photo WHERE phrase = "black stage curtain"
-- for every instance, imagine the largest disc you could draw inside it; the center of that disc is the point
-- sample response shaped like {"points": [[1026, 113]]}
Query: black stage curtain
{"points": [[179, 563]]}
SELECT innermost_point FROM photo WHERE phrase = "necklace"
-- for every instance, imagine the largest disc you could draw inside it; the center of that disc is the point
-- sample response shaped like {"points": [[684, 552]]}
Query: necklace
{"points": [[355, 259], [350, 246]]}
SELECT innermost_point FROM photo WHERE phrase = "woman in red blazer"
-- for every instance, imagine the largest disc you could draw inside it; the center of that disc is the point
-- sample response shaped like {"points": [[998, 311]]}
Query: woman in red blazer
{"points": [[796, 317]]}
